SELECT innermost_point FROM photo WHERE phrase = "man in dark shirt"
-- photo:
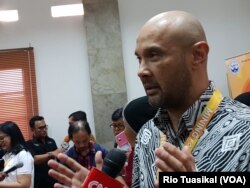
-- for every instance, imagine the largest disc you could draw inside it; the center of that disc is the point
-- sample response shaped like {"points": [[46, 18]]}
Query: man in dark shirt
{"points": [[42, 148]]}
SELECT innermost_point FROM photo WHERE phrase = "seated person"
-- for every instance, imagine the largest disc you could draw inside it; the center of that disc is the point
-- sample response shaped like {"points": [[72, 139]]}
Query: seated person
{"points": [[14, 146], [84, 149]]}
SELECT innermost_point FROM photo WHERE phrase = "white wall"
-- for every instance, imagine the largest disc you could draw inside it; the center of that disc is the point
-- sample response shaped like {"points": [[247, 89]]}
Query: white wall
{"points": [[226, 23], [61, 57]]}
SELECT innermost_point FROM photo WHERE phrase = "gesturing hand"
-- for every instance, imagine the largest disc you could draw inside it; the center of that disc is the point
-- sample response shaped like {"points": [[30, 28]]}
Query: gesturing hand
{"points": [[73, 175], [171, 159]]}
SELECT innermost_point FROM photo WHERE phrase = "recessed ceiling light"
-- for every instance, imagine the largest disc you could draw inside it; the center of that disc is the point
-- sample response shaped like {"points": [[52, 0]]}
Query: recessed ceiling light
{"points": [[67, 10], [8, 15]]}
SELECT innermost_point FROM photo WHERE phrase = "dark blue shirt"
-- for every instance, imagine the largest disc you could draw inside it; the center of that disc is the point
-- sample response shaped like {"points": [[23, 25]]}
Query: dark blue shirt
{"points": [[87, 161]]}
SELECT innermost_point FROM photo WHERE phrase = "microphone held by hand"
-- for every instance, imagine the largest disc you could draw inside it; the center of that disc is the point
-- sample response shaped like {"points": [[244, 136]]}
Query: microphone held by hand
{"points": [[114, 162], [112, 166], [65, 143], [18, 165]]}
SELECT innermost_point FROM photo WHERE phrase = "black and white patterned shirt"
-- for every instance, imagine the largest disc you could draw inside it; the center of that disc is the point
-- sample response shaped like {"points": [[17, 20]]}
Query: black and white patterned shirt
{"points": [[224, 146]]}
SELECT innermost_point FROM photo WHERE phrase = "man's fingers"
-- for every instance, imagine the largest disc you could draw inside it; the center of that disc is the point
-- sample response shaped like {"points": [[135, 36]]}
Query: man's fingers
{"points": [[76, 183], [60, 177], [187, 161], [61, 173], [190, 166], [162, 160], [58, 185], [71, 175], [60, 168], [75, 166], [171, 158], [157, 183]]}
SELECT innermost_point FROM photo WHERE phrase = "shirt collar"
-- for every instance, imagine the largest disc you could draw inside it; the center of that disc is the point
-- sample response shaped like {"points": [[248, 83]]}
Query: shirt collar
{"points": [[191, 114]]}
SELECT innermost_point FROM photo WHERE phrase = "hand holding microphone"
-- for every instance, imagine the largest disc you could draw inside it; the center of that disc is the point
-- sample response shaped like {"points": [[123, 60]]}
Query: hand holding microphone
{"points": [[112, 166], [65, 143], [73, 175], [2, 176], [11, 169], [16, 166], [5, 173]]}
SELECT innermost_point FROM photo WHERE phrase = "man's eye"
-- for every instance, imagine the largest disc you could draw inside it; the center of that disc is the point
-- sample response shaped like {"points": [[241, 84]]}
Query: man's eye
{"points": [[154, 55]]}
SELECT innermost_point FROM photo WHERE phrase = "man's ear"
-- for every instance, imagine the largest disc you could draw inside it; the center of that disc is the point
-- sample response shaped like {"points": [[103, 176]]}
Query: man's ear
{"points": [[33, 131], [200, 53]]}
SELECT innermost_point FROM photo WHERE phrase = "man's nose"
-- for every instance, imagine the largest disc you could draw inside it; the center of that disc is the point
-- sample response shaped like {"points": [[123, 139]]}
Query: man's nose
{"points": [[143, 70]]}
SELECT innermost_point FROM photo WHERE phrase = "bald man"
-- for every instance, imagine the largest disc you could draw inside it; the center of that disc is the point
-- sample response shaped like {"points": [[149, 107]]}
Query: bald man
{"points": [[195, 128], [173, 51]]}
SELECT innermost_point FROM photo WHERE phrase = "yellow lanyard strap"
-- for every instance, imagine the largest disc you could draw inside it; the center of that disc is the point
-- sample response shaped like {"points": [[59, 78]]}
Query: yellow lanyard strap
{"points": [[204, 119]]}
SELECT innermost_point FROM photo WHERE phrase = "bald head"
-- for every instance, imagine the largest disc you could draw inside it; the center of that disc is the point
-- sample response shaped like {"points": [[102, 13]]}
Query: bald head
{"points": [[172, 51], [181, 26]]}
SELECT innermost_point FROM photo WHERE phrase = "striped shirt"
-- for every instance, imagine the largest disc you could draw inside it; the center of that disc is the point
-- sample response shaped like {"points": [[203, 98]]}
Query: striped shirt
{"points": [[224, 146]]}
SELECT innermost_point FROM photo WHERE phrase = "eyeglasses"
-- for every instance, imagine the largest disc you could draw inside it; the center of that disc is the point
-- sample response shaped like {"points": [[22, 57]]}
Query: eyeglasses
{"points": [[117, 126], [42, 127]]}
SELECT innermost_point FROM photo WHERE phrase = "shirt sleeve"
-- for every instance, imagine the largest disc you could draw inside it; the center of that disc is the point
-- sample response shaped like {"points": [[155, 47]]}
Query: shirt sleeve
{"points": [[28, 162]]}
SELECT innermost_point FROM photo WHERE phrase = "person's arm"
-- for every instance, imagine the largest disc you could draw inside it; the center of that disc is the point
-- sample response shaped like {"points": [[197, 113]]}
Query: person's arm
{"points": [[39, 159], [43, 158], [23, 181]]}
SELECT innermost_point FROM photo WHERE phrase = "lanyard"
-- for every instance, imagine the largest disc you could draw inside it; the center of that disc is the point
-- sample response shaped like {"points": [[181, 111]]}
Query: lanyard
{"points": [[204, 119]]}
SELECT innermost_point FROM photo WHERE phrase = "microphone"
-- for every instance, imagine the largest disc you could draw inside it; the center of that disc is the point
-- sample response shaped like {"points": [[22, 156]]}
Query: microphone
{"points": [[18, 165], [112, 166], [65, 143], [114, 162]]}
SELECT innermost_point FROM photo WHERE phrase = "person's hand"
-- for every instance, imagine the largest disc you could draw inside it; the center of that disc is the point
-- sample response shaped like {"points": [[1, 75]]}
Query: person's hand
{"points": [[2, 176], [73, 176], [171, 159]]}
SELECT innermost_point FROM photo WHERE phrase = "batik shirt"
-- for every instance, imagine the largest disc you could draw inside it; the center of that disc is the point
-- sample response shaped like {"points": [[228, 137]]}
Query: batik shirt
{"points": [[224, 146]]}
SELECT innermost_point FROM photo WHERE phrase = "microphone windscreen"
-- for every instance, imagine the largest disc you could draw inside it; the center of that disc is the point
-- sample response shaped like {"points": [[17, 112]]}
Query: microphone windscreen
{"points": [[114, 162], [19, 164], [137, 112]]}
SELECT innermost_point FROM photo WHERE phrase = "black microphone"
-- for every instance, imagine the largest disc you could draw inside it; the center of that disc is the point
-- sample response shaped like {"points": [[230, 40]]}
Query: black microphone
{"points": [[114, 162], [18, 165], [112, 166]]}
